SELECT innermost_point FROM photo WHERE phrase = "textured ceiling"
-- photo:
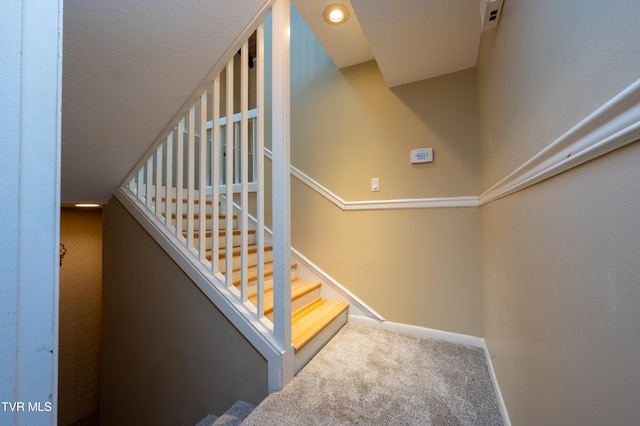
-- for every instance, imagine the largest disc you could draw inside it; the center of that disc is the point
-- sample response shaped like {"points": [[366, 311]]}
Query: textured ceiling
{"points": [[128, 66], [410, 40]]}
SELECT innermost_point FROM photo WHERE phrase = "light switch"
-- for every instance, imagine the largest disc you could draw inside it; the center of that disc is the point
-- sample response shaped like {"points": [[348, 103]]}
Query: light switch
{"points": [[375, 184]]}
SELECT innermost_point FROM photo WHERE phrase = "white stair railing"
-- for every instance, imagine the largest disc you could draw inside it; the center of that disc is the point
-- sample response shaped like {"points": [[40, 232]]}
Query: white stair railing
{"points": [[204, 181]]}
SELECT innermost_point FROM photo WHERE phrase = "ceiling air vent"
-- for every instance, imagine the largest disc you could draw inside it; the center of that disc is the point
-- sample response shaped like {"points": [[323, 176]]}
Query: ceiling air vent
{"points": [[490, 11]]}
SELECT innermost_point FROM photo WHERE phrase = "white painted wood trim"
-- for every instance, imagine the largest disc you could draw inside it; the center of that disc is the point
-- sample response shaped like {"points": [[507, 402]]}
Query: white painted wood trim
{"points": [[354, 302], [280, 128], [202, 183], [212, 285], [259, 171], [229, 154], [612, 126], [494, 380], [407, 203], [412, 203], [30, 107], [244, 169], [413, 330], [215, 177]]}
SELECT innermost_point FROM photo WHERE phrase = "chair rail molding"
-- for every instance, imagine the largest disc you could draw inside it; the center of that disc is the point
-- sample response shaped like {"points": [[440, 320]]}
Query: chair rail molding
{"points": [[397, 204], [612, 126]]}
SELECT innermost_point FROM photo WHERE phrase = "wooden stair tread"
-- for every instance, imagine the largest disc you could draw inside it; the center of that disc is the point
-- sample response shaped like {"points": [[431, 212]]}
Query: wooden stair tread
{"points": [[208, 216], [253, 272], [311, 319], [307, 322], [251, 249], [298, 289], [222, 232], [184, 200]]}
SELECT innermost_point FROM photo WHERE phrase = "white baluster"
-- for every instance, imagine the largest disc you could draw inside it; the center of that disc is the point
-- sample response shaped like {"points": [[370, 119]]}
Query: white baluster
{"points": [[148, 186], [229, 176], [259, 172], [179, 178], [244, 169], [215, 175], [168, 190], [202, 226], [158, 166], [191, 147], [140, 182]]}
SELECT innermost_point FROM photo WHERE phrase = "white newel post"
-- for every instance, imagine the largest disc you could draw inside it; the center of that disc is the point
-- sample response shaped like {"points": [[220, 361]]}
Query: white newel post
{"points": [[281, 185], [30, 105]]}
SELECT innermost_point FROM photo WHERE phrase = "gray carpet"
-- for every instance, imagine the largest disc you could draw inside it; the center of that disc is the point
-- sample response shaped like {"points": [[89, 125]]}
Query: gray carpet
{"points": [[232, 417], [370, 376]]}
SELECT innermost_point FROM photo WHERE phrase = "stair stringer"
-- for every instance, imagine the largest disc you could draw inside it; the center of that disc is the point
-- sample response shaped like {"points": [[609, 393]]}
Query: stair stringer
{"points": [[331, 288], [307, 270], [280, 361]]}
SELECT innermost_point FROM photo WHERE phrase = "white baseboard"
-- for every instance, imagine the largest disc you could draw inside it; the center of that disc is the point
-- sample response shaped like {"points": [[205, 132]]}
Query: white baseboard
{"points": [[413, 330], [496, 386], [447, 336]]}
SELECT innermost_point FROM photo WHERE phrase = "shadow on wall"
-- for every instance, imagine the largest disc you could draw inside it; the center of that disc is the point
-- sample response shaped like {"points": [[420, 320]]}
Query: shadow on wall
{"points": [[80, 315]]}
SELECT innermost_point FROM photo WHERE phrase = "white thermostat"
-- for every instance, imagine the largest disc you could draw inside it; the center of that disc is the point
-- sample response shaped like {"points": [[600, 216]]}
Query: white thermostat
{"points": [[421, 155]]}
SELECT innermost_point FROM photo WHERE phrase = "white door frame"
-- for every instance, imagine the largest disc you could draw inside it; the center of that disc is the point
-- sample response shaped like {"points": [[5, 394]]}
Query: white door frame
{"points": [[30, 107]]}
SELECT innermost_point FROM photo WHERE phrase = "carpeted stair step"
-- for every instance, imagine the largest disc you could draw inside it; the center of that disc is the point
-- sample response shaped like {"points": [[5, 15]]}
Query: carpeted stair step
{"points": [[234, 416], [207, 421]]}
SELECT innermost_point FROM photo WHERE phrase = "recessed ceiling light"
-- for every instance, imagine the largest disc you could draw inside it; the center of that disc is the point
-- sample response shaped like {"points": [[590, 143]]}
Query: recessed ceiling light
{"points": [[336, 14], [88, 205]]}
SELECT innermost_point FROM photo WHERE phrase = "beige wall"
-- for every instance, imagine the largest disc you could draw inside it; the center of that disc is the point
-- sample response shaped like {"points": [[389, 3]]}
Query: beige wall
{"points": [[418, 267], [169, 356], [421, 266], [80, 312], [547, 66], [561, 275], [562, 295]]}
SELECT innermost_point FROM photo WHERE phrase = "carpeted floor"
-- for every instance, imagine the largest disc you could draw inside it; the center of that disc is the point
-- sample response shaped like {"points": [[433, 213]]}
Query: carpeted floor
{"points": [[370, 376]]}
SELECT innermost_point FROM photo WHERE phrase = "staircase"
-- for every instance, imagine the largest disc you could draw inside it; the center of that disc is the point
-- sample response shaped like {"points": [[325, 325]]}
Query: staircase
{"points": [[314, 320], [201, 188]]}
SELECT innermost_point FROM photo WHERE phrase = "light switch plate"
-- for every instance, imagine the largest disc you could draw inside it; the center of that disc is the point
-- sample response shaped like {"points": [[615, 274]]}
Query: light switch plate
{"points": [[375, 184], [421, 155]]}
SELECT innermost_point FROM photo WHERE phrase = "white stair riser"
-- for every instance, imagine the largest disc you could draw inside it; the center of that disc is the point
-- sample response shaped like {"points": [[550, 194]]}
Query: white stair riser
{"points": [[301, 301], [252, 260], [222, 223], [222, 240], [303, 356], [268, 283], [253, 286]]}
